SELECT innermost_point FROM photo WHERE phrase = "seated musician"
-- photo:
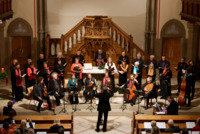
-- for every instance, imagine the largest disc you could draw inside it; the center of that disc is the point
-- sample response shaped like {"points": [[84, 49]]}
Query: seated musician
{"points": [[172, 109], [137, 71], [45, 73], [100, 57], [55, 87], [73, 97], [151, 72], [123, 57], [166, 77], [19, 83], [77, 69], [106, 82], [78, 56], [123, 70], [60, 57], [111, 69], [172, 128], [90, 85], [60, 70], [40, 62], [149, 93], [31, 72], [39, 94], [130, 83]]}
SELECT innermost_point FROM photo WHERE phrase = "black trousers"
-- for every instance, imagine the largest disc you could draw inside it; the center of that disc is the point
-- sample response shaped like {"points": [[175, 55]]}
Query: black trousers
{"points": [[187, 97], [100, 113], [41, 101], [179, 83], [73, 99], [193, 87], [26, 83], [13, 83], [18, 93], [31, 82], [58, 97], [147, 97]]}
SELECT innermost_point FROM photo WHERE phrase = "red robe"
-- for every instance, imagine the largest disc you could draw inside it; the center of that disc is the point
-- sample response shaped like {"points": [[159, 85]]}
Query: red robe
{"points": [[80, 66], [19, 81], [29, 73]]}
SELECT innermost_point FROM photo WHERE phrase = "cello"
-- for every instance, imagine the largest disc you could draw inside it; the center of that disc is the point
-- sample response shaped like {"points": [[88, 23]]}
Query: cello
{"points": [[183, 87], [132, 94]]}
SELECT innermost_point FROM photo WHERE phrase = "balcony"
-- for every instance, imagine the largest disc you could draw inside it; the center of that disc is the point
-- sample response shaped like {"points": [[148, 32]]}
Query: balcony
{"points": [[5, 9]]}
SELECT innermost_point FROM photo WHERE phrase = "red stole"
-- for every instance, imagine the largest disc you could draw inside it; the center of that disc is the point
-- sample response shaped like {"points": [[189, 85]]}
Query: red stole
{"points": [[80, 66], [29, 73], [19, 81]]}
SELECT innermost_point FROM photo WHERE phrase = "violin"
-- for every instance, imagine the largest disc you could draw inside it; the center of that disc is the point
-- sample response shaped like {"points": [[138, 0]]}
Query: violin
{"points": [[45, 93]]}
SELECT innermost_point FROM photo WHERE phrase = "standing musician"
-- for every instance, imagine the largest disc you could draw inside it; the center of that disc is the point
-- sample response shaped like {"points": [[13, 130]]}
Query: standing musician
{"points": [[188, 78], [103, 107], [60, 70], [31, 72], [12, 72], [151, 72], [111, 69], [166, 76], [79, 57], [152, 61], [162, 64], [60, 57], [45, 73], [193, 72], [77, 69], [182, 66], [149, 89], [72, 83], [19, 83], [123, 70], [136, 70], [26, 66], [132, 84], [100, 57], [123, 57], [40, 62], [55, 87], [90, 84], [40, 93]]}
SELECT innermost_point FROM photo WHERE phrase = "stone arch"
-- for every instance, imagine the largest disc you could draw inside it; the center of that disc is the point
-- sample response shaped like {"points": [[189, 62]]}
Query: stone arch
{"points": [[19, 27], [173, 28]]}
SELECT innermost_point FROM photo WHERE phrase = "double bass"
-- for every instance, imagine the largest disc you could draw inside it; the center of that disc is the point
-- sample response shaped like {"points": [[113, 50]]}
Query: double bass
{"points": [[183, 87]]}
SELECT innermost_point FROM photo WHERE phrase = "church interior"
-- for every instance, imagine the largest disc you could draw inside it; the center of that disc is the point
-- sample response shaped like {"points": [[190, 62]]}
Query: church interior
{"points": [[66, 63]]}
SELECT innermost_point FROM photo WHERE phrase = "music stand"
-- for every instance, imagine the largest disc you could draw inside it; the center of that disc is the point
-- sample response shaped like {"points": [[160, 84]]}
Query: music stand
{"points": [[123, 91], [90, 107], [63, 110], [75, 91], [51, 94], [138, 93]]}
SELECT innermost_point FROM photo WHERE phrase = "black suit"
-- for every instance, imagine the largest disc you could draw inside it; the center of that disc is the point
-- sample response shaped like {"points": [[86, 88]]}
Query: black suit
{"points": [[55, 87], [180, 73], [193, 71], [173, 129], [172, 109], [63, 61], [80, 57], [123, 58], [13, 79], [40, 63], [154, 62], [38, 92], [162, 64], [103, 107]]}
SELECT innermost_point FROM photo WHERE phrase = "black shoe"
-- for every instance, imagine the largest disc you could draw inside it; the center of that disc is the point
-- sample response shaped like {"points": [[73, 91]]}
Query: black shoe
{"points": [[97, 130], [188, 105], [146, 108], [132, 104], [38, 111], [141, 98], [104, 130]]}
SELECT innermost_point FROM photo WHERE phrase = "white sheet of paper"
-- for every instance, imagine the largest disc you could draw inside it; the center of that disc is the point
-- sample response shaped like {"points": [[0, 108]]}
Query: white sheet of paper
{"points": [[195, 132], [143, 132], [147, 125], [1, 126], [27, 125], [160, 113], [161, 125], [23, 75], [66, 132], [190, 124], [41, 132], [65, 64]]}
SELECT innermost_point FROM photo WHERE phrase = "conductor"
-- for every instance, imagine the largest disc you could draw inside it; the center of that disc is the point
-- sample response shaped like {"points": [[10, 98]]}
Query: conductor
{"points": [[103, 107]]}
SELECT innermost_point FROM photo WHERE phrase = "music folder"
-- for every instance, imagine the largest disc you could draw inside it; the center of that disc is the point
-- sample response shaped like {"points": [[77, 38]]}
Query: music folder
{"points": [[123, 90]]}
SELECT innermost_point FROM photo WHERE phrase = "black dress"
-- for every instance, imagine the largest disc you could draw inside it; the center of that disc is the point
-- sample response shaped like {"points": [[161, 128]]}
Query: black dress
{"points": [[123, 77], [40, 63], [166, 80], [123, 58], [80, 57]]}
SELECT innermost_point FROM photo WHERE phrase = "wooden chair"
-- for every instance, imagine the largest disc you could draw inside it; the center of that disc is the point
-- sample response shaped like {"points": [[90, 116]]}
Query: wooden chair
{"points": [[152, 99], [30, 95]]}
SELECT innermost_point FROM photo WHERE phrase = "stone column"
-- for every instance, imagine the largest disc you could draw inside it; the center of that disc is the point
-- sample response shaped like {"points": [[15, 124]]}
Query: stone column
{"points": [[151, 22], [2, 44], [192, 41]]}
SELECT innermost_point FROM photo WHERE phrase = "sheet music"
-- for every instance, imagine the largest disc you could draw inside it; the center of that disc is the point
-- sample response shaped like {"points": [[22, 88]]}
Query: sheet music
{"points": [[41, 132], [65, 64], [28, 126], [190, 124], [147, 125], [23, 75], [183, 71], [38, 72], [195, 132], [143, 132], [160, 113], [161, 125], [66, 132]]}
